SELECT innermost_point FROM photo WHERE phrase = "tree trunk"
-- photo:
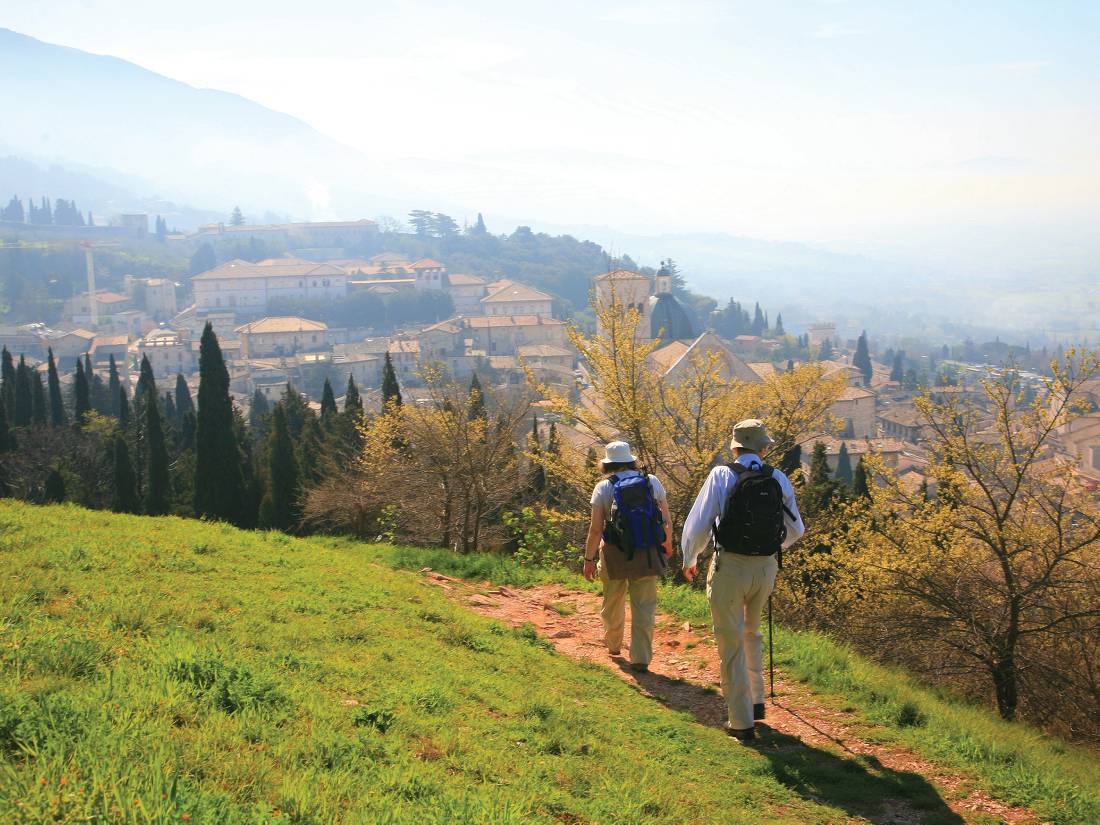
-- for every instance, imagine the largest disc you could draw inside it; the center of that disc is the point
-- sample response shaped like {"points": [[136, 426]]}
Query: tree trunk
{"points": [[1005, 682], [445, 541]]}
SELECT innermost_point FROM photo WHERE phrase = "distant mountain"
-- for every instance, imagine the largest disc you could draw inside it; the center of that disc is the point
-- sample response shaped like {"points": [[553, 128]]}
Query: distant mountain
{"points": [[65, 106]]}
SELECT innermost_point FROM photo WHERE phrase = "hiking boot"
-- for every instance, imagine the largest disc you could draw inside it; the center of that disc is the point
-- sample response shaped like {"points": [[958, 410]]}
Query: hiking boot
{"points": [[743, 736], [614, 652], [639, 667], [758, 712]]}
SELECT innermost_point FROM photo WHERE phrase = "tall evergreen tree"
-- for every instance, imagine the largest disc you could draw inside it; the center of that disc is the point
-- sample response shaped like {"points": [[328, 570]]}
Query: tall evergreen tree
{"points": [[218, 480], [39, 408], [156, 457], [82, 402], [791, 460], [862, 359], [7, 380], [353, 402], [24, 395], [97, 389], [820, 488], [124, 498], [479, 227], [114, 382], [170, 417], [184, 403], [7, 437], [477, 399], [897, 371], [759, 325], [279, 509], [123, 408], [237, 217], [859, 484], [259, 418], [844, 466], [391, 390], [779, 331], [146, 383], [328, 404], [825, 352], [57, 405]]}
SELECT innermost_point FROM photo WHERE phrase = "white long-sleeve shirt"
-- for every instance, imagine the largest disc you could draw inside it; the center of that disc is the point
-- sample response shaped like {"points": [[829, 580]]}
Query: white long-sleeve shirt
{"points": [[712, 499]]}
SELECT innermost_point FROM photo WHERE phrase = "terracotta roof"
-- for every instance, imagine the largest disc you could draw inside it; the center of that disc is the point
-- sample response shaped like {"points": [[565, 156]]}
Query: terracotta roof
{"points": [[483, 321], [110, 341], [156, 282], [856, 446], [462, 279], [764, 369], [368, 283], [105, 297], [543, 351], [405, 346], [853, 393], [452, 325], [668, 355], [288, 323], [906, 415], [507, 291], [383, 258], [428, 263], [270, 268]]}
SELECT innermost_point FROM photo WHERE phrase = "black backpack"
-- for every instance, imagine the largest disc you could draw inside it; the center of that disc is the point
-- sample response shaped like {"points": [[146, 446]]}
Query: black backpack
{"points": [[752, 523]]}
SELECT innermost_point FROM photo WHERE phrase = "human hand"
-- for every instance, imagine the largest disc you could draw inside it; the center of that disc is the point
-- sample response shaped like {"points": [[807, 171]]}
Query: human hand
{"points": [[668, 549], [689, 573], [590, 570]]}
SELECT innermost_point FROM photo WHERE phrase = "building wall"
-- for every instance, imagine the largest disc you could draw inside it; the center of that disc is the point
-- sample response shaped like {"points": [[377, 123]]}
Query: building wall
{"points": [[160, 301], [168, 359], [261, 344], [543, 308], [253, 294], [859, 414]]}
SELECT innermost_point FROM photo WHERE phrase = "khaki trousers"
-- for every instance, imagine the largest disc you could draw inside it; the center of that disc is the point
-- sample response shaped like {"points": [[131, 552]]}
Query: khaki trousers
{"points": [[738, 587], [643, 614]]}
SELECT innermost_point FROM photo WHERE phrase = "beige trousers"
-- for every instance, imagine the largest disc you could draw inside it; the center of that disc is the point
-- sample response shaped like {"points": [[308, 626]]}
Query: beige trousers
{"points": [[738, 588], [643, 614]]}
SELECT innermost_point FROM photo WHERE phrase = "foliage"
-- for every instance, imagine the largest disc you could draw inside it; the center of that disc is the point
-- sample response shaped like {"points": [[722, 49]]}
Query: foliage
{"points": [[539, 539], [218, 480]]}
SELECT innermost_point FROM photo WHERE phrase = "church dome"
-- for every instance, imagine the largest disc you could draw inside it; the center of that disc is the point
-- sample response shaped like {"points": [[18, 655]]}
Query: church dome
{"points": [[669, 320]]}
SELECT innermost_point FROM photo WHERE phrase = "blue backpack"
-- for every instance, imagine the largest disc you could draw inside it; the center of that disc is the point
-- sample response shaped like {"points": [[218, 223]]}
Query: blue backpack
{"points": [[635, 522]]}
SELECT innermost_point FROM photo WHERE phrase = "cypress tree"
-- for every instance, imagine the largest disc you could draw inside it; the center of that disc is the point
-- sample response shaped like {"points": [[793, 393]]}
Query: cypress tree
{"points": [[844, 466], [391, 390], [57, 405], [859, 485], [328, 404], [779, 331], [97, 390], [218, 480], [146, 382], [820, 488], [791, 461], [862, 358], [170, 416], [156, 456], [279, 509], [476, 398], [259, 421], [184, 403], [311, 448], [897, 372], [353, 402], [39, 413], [82, 403], [7, 380], [826, 351], [123, 408], [24, 398], [54, 489], [113, 385], [188, 425], [125, 498], [7, 437]]}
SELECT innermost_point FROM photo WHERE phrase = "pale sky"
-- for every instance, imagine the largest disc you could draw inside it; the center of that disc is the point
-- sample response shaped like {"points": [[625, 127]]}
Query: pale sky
{"points": [[900, 128]]}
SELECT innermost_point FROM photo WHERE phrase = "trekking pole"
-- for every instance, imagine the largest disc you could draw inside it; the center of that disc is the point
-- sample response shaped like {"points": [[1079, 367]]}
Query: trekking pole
{"points": [[771, 648]]}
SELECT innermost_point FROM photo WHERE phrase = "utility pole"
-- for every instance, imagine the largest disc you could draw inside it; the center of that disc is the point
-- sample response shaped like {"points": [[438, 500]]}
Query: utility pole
{"points": [[93, 306]]}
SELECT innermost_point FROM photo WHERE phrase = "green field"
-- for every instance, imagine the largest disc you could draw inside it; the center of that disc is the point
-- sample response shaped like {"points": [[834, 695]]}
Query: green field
{"points": [[163, 670]]}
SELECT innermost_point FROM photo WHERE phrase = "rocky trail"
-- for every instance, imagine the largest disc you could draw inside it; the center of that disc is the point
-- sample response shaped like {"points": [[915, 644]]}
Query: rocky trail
{"points": [[804, 735]]}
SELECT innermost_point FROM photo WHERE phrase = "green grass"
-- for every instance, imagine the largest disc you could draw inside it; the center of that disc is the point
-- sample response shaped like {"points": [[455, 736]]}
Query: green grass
{"points": [[1015, 763], [163, 670]]}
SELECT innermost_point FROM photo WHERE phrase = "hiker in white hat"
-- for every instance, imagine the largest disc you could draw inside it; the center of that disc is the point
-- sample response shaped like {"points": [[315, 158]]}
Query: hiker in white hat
{"points": [[628, 547], [749, 510]]}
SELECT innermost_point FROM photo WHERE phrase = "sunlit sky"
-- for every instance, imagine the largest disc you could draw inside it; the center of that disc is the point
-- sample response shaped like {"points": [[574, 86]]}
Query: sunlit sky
{"points": [[871, 126]]}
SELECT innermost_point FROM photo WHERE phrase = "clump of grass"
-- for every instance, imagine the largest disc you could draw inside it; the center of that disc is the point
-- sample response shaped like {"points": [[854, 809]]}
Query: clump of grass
{"points": [[563, 608]]}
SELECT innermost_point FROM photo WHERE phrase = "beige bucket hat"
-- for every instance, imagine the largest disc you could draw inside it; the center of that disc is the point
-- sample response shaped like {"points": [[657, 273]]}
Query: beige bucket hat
{"points": [[617, 452], [750, 434]]}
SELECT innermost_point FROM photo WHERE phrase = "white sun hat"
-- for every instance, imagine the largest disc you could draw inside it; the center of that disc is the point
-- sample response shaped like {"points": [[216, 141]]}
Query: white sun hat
{"points": [[750, 435], [617, 452]]}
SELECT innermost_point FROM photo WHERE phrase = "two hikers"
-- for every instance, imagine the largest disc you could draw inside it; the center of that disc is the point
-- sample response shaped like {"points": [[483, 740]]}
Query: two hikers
{"points": [[628, 547], [749, 510]]}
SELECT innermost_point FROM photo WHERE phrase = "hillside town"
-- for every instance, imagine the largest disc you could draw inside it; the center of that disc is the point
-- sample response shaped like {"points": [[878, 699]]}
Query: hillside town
{"points": [[505, 330]]}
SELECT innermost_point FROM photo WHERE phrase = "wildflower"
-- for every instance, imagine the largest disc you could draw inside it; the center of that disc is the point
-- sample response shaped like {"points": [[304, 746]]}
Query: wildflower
{"points": [[185, 817], [62, 782], [42, 781]]}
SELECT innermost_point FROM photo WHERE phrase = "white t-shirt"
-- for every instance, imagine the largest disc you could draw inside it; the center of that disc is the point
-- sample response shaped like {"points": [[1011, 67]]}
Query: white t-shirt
{"points": [[603, 494]]}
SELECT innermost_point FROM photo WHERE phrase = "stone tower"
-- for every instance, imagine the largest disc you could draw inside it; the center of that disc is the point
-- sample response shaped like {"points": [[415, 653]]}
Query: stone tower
{"points": [[630, 289]]}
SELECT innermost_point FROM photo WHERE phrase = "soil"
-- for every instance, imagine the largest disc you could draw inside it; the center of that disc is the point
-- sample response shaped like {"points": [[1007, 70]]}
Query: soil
{"points": [[684, 674]]}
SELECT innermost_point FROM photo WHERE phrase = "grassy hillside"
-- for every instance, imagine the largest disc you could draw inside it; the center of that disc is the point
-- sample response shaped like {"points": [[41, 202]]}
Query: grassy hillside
{"points": [[166, 670]]}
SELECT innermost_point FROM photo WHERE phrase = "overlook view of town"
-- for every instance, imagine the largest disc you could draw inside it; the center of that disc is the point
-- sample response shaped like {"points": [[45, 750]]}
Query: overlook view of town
{"points": [[488, 413]]}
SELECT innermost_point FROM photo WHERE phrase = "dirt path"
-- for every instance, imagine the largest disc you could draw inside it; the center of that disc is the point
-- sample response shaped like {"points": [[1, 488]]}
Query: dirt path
{"points": [[801, 735]]}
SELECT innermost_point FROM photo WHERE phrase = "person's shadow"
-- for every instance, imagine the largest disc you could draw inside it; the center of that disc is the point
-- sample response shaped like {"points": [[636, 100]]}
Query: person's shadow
{"points": [[858, 784]]}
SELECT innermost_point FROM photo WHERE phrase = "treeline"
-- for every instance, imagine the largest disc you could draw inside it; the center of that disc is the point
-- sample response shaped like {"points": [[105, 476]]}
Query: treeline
{"points": [[61, 213], [160, 451]]}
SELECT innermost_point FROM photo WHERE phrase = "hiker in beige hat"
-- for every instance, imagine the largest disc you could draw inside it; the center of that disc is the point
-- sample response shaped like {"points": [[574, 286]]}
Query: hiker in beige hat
{"points": [[628, 547], [749, 510]]}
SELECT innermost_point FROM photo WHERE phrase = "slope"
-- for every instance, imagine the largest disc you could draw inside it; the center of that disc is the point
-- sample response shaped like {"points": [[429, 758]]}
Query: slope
{"points": [[170, 670]]}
